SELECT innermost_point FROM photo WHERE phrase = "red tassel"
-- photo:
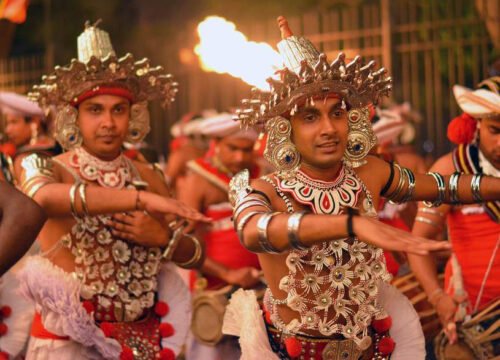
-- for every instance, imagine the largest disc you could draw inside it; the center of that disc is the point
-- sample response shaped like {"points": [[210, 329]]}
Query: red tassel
{"points": [[5, 311], [293, 347], [161, 308], [166, 330], [88, 306], [167, 354], [108, 329], [461, 130], [3, 329], [126, 353], [267, 317], [4, 355], [386, 346], [383, 325]]}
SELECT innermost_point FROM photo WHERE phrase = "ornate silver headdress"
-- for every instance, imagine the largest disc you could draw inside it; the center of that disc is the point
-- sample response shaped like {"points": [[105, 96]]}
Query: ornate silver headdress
{"points": [[98, 66], [307, 74]]}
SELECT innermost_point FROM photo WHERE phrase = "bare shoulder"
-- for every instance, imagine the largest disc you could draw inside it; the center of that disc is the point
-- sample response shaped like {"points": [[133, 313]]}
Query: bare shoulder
{"points": [[153, 177], [444, 164], [374, 168]]}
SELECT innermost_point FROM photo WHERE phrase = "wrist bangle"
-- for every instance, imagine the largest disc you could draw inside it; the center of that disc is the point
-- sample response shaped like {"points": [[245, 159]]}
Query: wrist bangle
{"points": [[198, 252], [293, 225], [83, 198], [172, 245], [350, 228], [72, 199]]}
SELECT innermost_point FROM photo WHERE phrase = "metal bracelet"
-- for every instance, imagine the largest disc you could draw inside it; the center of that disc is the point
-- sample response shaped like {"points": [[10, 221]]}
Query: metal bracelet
{"points": [[241, 225], [172, 244], [475, 185], [198, 252], [72, 198], [293, 225], [431, 211], [441, 187], [83, 198], [453, 188], [427, 221], [247, 204], [411, 185], [262, 225], [394, 196]]}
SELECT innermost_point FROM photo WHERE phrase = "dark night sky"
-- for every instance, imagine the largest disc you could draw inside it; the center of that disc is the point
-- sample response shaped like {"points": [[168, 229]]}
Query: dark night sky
{"points": [[136, 25]]}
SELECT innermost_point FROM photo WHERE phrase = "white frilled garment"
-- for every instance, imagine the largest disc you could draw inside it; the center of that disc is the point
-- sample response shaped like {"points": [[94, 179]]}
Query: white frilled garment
{"points": [[57, 297]]}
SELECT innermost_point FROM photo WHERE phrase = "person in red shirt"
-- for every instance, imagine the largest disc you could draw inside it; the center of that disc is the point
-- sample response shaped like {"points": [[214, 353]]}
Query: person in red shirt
{"points": [[206, 189], [473, 230]]}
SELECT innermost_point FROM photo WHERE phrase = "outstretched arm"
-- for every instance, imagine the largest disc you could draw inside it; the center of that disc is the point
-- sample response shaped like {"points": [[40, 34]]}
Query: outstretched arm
{"points": [[312, 229], [21, 220]]}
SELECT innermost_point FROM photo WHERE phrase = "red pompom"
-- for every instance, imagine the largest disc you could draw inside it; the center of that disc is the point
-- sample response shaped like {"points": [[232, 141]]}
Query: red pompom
{"points": [[293, 347], [127, 353], [5, 311], [161, 308], [166, 330], [382, 325], [9, 149], [88, 306], [461, 130], [267, 317], [386, 346], [4, 356], [167, 354], [108, 329], [3, 329]]}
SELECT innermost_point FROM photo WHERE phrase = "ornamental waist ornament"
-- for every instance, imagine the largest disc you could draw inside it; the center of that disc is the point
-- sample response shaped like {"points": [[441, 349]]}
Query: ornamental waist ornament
{"points": [[332, 286]]}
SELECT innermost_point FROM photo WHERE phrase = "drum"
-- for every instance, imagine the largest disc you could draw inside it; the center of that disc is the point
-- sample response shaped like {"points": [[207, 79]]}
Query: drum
{"points": [[208, 314], [209, 307], [478, 337], [410, 287]]}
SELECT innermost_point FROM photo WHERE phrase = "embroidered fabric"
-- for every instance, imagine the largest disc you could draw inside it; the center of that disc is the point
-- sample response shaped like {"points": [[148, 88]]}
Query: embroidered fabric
{"points": [[121, 275], [332, 286]]}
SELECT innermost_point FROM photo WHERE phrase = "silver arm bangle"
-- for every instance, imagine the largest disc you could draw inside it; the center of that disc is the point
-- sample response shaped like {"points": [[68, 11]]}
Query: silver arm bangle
{"points": [[83, 198], [247, 204], [411, 185], [262, 225], [172, 245], [427, 221], [293, 225], [475, 185], [394, 196], [441, 190], [198, 252], [241, 225], [72, 198], [453, 188]]}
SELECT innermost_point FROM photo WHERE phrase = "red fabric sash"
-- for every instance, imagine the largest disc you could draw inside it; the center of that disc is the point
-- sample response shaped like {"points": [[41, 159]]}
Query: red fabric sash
{"points": [[39, 331]]}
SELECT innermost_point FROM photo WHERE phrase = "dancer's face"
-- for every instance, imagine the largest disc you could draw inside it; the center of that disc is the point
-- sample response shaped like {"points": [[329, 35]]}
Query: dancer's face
{"points": [[489, 140]]}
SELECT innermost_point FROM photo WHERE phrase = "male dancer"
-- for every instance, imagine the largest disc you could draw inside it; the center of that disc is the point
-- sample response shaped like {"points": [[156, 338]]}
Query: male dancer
{"points": [[312, 222]]}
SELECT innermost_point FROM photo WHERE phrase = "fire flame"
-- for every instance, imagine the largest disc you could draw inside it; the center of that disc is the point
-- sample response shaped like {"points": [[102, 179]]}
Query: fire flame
{"points": [[223, 49]]}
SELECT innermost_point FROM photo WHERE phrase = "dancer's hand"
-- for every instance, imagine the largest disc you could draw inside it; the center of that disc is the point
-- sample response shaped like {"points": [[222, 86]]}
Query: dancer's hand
{"points": [[159, 206], [246, 277], [390, 238], [141, 228]]}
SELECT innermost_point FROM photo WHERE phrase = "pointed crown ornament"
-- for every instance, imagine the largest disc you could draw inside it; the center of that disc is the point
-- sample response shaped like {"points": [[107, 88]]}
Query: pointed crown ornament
{"points": [[98, 65], [99, 71], [308, 74]]}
